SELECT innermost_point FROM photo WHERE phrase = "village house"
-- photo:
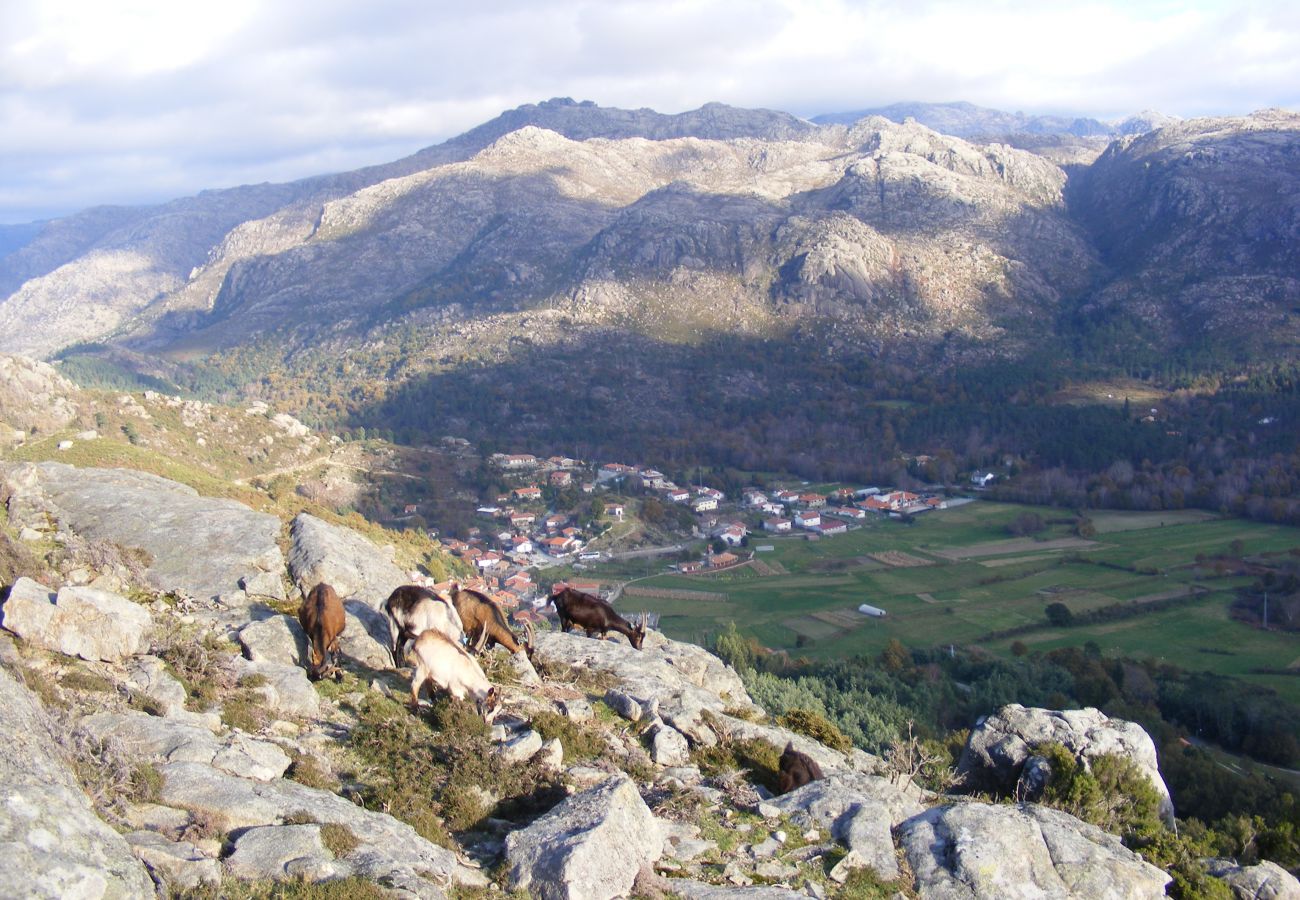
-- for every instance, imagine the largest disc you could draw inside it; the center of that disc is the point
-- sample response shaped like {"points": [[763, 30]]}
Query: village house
{"points": [[754, 498], [521, 544], [807, 519], [613, 472], [454, 546], [772, 508], [832, 527], [653, 478], [530, 492], [848, 512], [522, 520], [812, 500], [488, 560], [588, 487], [561, 478], [615, 509], [704, 504], [520, 582], [732, 535], [555, 521], [677, 495], [564, 462], [722, 560], [716, 494], [693, 565], [788, 498], [471, 553], [558, 545], [515, 461], [779, 526]]}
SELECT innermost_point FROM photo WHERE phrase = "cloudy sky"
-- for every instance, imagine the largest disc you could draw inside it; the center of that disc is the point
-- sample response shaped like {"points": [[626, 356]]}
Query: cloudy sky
{"points": [[135, 101]]}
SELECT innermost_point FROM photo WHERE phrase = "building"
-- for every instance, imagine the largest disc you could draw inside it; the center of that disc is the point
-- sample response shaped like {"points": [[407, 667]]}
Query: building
{"points": [[779, 526], [807, 519], [704, 504], [561, 478]]}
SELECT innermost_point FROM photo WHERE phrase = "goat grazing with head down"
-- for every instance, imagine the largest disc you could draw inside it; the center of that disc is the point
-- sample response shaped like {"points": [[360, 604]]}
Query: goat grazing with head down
{"points": [[594, 616], [797, 769], [440, 662], [485, 624], [412, 610], [321, 616]]}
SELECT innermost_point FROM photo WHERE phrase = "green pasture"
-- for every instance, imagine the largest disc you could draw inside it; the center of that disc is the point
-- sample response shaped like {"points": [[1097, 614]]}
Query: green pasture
{"points": [[961, 601]]}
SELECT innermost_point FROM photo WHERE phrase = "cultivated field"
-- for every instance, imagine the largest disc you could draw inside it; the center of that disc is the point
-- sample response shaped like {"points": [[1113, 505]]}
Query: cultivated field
{"points": [[977, 581]]}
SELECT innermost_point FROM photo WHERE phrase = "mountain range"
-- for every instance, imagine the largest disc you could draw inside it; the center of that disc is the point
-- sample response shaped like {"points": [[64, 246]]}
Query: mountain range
{"points": [[566, 223]]}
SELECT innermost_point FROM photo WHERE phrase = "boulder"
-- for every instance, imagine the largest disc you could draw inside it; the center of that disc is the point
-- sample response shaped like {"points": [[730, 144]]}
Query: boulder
{"points": [[34, 395], [521, 747], [590, 847], [668, 746], [366, 636], [179, 862], [51, 841], [681, 682], [981, 851], [342, 558], [1265, 881], [285, 688], [77, 621], [701, 890], [200, 546], [388, 849], [277, 638], [1001, 744], [284, 853], [162, 740]]}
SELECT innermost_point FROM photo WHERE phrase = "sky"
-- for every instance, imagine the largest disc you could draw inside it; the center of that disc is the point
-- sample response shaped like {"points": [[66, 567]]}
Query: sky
{"points": [[139, 101]]}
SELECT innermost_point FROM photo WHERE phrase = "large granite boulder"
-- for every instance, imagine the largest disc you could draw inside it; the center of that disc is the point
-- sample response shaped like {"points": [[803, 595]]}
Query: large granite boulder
{"points": [[858, 810], [284, 853], [34, 395], [160, 740], [1265, 881], [200, 546], [342, 558], [680, 683], [981, 851], [590, 847], [77, 621], [1000, 744], [387, 849], [51, 842]]}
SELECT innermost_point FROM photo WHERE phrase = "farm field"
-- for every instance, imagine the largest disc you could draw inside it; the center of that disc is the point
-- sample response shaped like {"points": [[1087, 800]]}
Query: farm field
{"points": [[978, 581]]}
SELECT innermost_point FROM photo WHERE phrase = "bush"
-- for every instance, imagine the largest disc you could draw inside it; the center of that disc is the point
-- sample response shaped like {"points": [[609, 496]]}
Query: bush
{"points": [[817, 727]]}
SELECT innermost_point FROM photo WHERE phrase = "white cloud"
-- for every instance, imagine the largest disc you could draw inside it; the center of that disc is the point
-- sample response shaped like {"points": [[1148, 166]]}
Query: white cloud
{"points": [[140, 100]]}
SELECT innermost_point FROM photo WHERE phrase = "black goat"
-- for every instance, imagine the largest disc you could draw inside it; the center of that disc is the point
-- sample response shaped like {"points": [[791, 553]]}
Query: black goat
{"points": [[594, 616]]}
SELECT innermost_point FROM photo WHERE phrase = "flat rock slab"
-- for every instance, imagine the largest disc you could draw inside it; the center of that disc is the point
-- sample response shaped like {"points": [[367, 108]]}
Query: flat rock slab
{"points": [[699, 890], [200, 546], [1266, 881], [999, 745], [590, 847], [77, 621], [162, 740], [980, 851], [347, 561], [51, 841], [284, 853], [286, 689], [388, 849]]}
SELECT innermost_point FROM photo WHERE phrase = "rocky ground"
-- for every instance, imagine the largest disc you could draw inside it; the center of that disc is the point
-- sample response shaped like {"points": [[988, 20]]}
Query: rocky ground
{"points": [[164, 738]]}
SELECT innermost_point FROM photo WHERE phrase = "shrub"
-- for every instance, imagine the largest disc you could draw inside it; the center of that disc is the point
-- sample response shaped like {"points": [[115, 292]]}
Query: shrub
{"points": [[817, 727], [338, 839], [579, 742]]}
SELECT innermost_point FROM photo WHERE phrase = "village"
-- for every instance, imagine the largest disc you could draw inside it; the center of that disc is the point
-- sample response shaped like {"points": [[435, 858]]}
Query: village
{"points": [[517, 534]]}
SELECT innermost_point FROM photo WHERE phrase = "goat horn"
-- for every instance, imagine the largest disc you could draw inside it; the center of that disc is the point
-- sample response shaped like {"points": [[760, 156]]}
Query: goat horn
{"points": [[482, 640]]}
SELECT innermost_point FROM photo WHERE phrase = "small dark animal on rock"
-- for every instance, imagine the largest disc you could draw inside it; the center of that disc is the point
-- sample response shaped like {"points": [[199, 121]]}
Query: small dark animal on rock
{"points": [[321, 616], [594, 616], [797, 769]]}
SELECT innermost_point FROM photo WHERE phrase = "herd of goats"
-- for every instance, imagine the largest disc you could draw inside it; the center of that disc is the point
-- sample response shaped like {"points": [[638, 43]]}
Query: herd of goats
{"points": [[435, 633]]}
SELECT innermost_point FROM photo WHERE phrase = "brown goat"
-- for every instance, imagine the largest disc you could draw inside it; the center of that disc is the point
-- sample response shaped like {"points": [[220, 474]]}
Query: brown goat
{"points": [[797, 769], [321, 616], [594, 616], [485, 624]]}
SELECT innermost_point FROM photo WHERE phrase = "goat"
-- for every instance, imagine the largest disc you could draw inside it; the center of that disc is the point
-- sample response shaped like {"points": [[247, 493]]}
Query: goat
{"points": [[797, 769], [484, 622], [321, 616], [412, 610], [443, 663], [594, 616]]}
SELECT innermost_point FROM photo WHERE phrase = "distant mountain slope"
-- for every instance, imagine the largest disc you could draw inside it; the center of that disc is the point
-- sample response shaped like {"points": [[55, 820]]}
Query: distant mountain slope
{"points": [[1199, 222], [966, 120]]}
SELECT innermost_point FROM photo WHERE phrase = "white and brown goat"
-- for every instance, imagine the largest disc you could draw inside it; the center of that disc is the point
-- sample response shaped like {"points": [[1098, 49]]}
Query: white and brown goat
{"points": [[412, 610], [443, 663]]}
